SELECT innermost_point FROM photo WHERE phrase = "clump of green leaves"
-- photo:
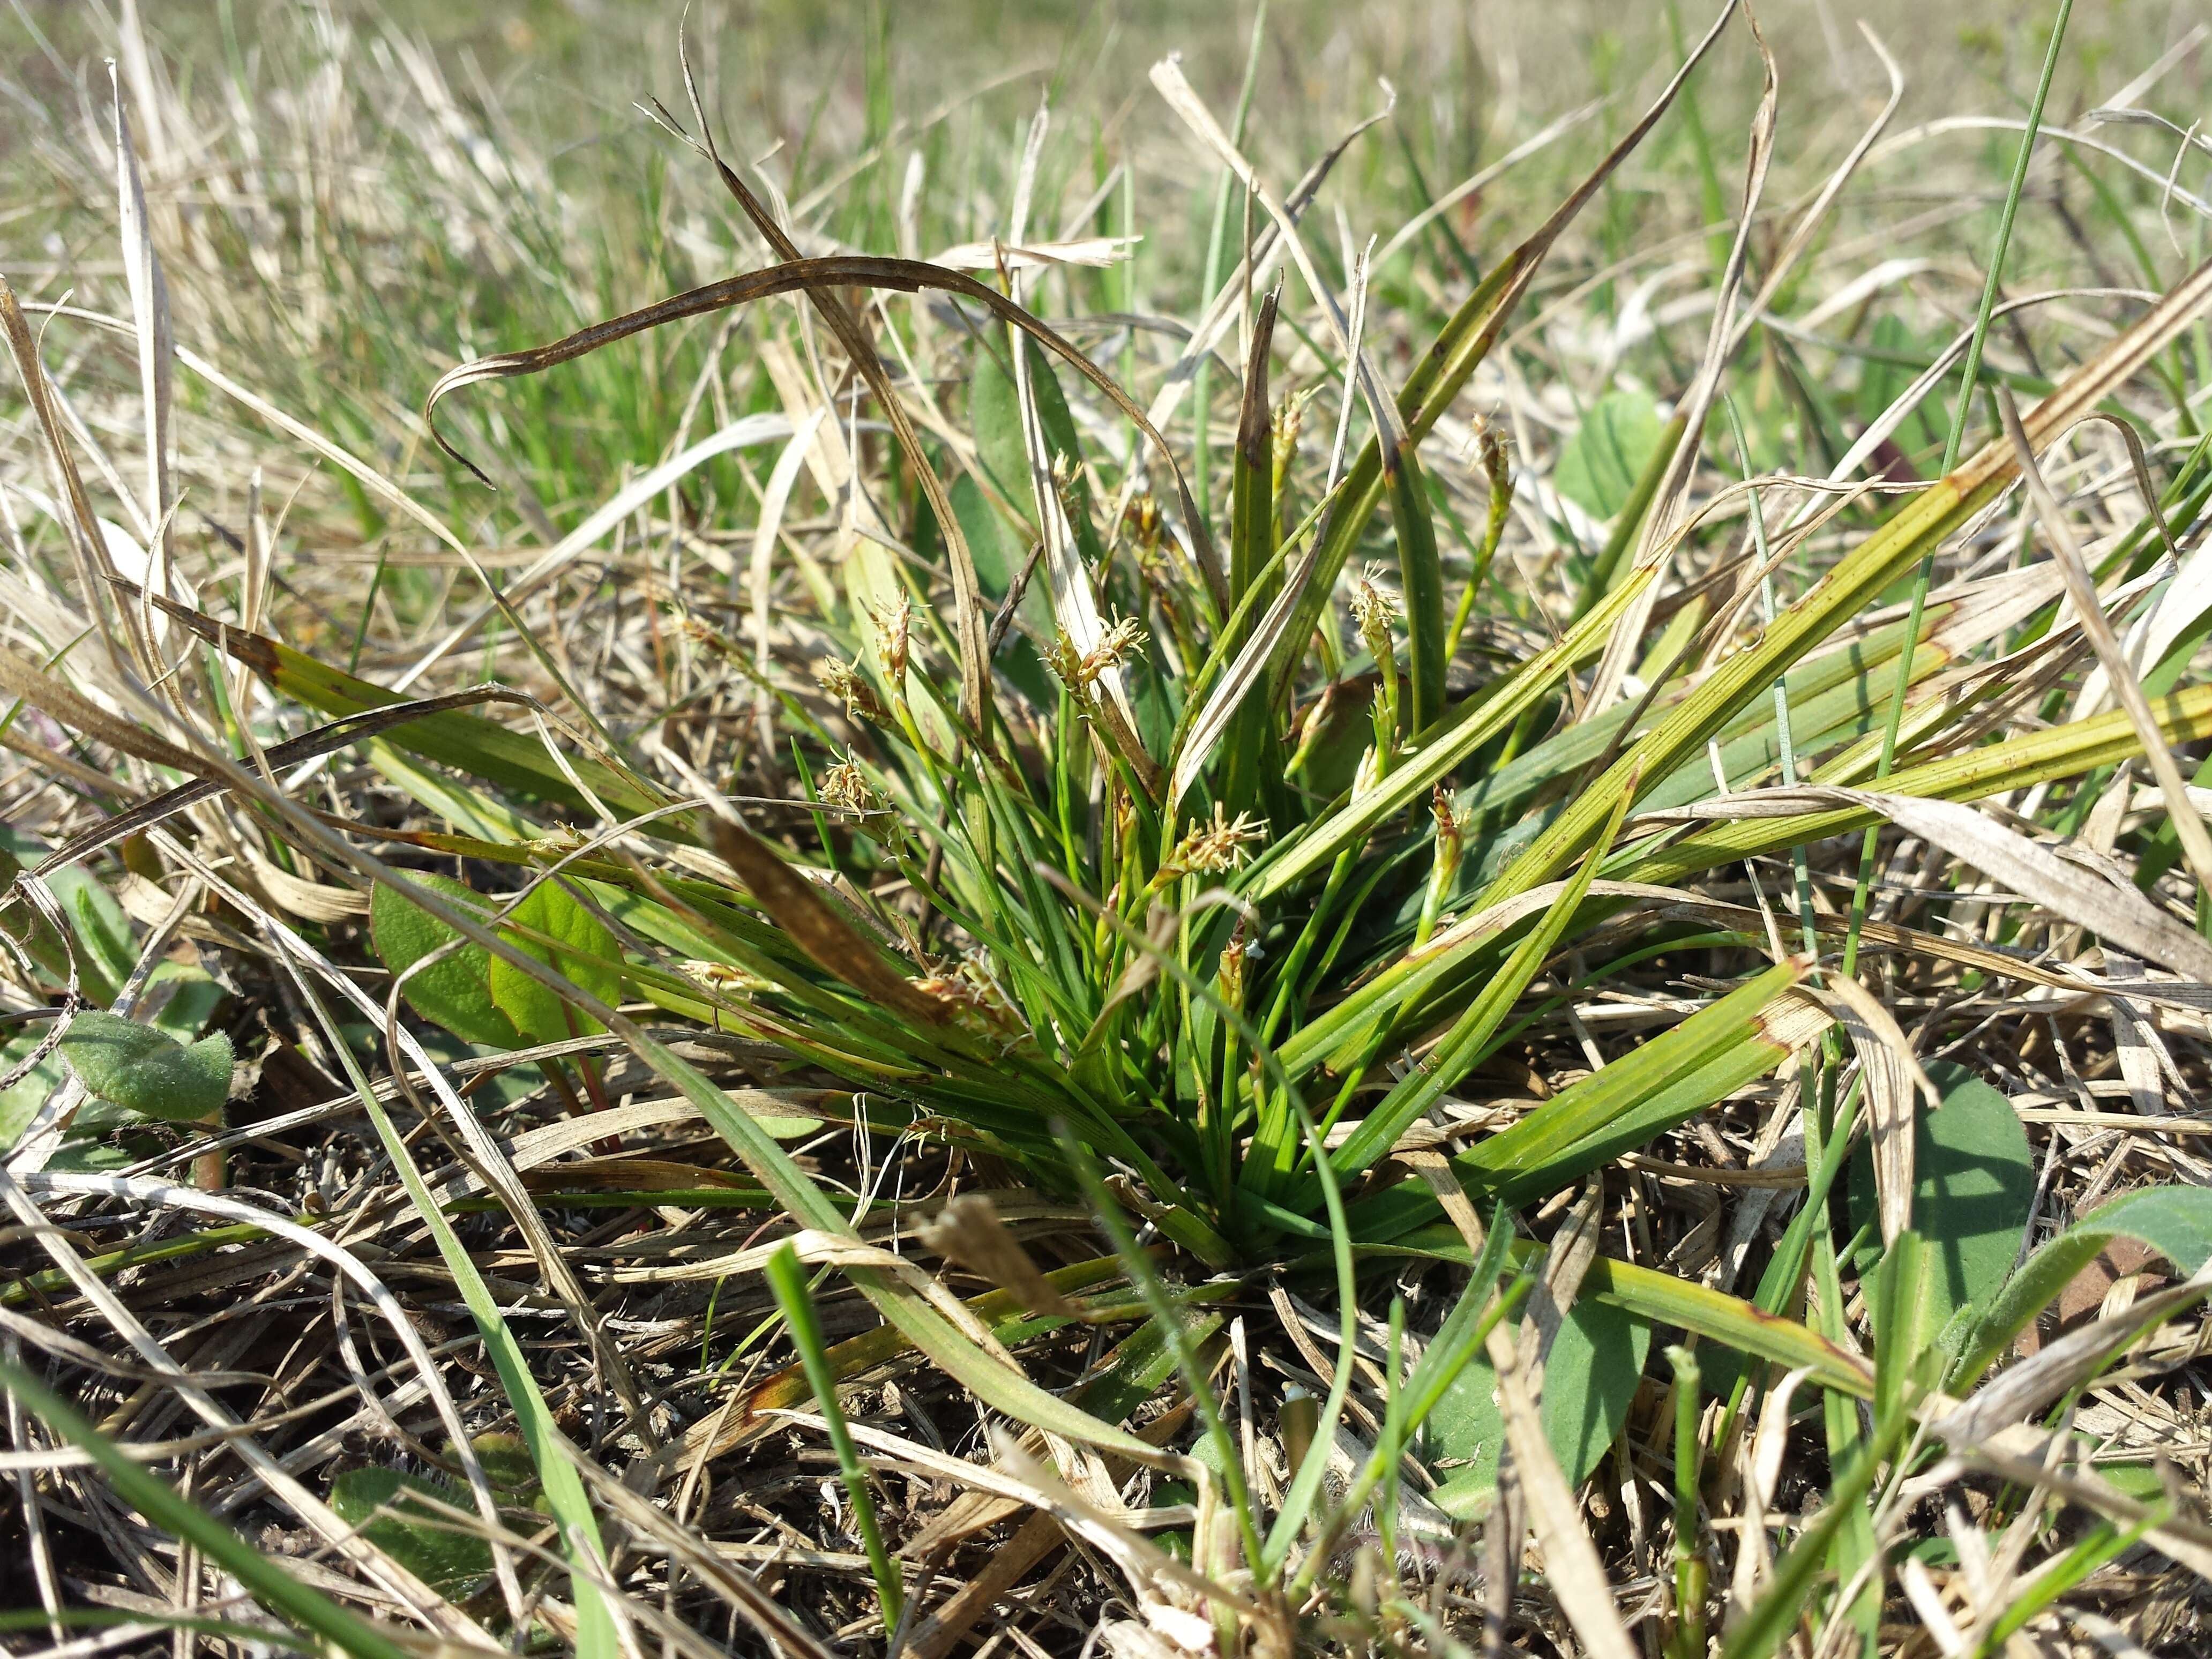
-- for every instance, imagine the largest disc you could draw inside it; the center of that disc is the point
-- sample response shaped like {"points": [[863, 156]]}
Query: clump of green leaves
{"points": [[1177, 879]]}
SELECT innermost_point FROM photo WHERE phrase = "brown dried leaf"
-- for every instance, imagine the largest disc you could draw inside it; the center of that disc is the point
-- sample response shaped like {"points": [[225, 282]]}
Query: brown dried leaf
{"points": [[968, 1229], [815, 927]]}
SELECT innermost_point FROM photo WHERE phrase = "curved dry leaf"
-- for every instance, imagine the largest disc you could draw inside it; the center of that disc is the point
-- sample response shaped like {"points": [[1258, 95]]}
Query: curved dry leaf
{"points": [[1657, 539], [2097, 628], [747, 429], [1894, 1080], [968, 1229], [2120, 913]]}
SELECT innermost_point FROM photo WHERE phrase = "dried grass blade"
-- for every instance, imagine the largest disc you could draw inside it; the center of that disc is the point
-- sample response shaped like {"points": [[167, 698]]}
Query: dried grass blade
{"points": [[87, 545], [140, 1190], [149, 308], [747, 430], [1168, 77], [2063, 1365], [2081, 588], [718, 1573], [968, 1229], [22, 677], [788, 1281], [358, 1551], [596, 1635], [307, 1608], [970, 621], [1262, 261], [1808, 223], [819, 277], [309, 746], [1571, 1564], [2121, 914], [1895, 1081]]}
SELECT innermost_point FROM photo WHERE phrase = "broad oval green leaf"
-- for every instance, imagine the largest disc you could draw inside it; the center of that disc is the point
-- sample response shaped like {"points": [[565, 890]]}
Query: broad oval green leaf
{"points": [[147, 1071], [188, 997], [20, 1103], [1589, 1378], [100, 941], [2175, 1221], [454, 991], [994, 413], [1973, 1192], [999, 555], [385, 1504]]}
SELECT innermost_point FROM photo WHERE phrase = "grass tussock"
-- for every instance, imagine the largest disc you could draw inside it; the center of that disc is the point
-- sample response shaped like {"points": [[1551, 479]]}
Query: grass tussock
{"points": [[1240, 862]]}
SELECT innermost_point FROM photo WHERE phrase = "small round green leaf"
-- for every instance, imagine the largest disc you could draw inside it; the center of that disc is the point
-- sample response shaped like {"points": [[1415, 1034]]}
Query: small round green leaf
{"points": [[506, 1459], [147, 1071]]}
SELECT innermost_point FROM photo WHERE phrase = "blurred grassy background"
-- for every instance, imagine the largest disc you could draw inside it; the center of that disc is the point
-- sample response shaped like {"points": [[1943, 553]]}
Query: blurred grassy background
{"points": [[354, 196]]}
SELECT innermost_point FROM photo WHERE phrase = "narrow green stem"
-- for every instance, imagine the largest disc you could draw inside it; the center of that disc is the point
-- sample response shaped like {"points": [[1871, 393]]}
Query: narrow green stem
{"points": [[1801, 868], [1689, 1638]]}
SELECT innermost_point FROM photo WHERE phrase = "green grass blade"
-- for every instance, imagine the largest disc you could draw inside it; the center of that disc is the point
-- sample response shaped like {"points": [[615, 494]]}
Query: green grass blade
{"points": [[1968, 378], [1688, 1638], [1305, 1480], [596, 1637], [788, 1280], [1378, 1133], [469, 743], [926, 1328], [2016, 764], [1771, 1620], [1445, 368], [1441, 752], [1851, 584], [1228, 1458], [1253, 762], [1663, 1299], [1630, 520], [1569, 1119]]}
